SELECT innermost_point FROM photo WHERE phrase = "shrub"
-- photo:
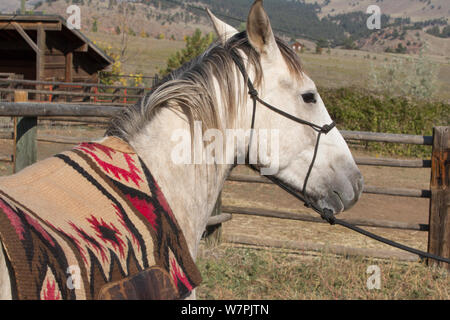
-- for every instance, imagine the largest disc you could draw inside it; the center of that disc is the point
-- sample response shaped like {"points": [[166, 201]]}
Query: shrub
{"points": [[195, 45], [405, 77], [361, 110]]}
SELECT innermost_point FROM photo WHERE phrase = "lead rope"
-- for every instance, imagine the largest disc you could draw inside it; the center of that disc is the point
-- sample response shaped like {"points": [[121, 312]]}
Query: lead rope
{"points": [[325, 214]]}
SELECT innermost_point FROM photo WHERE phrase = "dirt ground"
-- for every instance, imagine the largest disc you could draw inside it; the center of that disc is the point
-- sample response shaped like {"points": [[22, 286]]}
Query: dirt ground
{"points": [[272, 197]]}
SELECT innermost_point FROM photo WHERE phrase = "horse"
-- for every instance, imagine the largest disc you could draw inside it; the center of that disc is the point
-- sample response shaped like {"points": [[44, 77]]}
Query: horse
{"points": [[231, 86]]}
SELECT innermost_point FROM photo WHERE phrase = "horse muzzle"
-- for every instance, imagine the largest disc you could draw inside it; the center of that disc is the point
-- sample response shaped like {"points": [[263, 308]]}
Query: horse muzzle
{"points": [[343, 193]]}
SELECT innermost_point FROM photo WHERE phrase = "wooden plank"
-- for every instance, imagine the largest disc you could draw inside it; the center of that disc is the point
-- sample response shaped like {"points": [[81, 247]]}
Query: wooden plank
{"points": [[213, 233], [6, 158], [26, 37], [40, 57], [61, 140], [71, 84], [25, 130], [401, 192], [215, 220], [398, 163], [387, 137], [79, 120], [76, 94], [68, 67], [55, 26], [439, 235], [315, 247], [309, 218], [6, 135], [8, 109]]}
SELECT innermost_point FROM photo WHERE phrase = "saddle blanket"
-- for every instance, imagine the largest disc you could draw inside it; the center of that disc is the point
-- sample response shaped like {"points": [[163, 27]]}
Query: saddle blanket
{"points": [[87, 218]]}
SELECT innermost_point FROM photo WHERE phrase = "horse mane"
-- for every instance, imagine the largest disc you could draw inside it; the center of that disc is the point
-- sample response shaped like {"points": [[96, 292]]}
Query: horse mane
{"points": [[192, 88]]}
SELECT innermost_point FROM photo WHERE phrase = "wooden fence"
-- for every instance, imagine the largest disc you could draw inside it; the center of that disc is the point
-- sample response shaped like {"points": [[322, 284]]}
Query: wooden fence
{"points": [[439, 193], [51, 91]]}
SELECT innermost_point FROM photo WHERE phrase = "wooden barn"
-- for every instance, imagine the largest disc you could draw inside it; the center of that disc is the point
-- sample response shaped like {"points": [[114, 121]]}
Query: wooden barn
{"points": [[297, 46], [43, 48]]}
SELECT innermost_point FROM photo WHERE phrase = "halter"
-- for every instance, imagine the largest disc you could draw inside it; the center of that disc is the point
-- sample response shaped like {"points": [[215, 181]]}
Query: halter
{"points": [[325, 213]]}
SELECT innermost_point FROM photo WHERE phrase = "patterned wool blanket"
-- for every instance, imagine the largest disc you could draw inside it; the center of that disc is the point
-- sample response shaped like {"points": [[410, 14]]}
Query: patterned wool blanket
{"points": [[86, 218]]}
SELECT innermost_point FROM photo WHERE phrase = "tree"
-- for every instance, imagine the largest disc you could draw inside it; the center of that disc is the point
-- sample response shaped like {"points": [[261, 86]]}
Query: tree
{"points": [[95, 26], [434, 31], [349, 44], [195, 45], [446, 32], [319, 49]]}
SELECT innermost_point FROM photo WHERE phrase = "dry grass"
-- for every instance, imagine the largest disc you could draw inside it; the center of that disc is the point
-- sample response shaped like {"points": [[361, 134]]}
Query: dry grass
{"points": [[144, 55], [346, 68], [237, 272]]}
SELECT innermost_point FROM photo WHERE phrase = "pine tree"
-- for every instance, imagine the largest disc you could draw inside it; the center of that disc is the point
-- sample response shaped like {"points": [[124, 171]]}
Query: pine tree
{"points": [[195, 45]]}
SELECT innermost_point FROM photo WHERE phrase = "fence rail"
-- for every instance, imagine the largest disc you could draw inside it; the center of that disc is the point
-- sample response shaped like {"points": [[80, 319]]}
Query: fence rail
{"points": [[387, 137], [55, 91], [438, 228], [414, 193]]}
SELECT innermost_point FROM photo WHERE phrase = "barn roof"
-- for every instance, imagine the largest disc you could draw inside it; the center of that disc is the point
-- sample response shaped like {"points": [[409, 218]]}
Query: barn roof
{"points": [[55, 23]]}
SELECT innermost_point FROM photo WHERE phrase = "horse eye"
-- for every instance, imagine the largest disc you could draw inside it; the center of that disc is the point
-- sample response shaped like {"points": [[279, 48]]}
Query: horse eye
{"points": [[309, 97]]}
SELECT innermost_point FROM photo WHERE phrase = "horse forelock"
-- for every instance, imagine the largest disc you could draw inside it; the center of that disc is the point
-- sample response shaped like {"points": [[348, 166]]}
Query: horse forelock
{"points": [[196, 87]]}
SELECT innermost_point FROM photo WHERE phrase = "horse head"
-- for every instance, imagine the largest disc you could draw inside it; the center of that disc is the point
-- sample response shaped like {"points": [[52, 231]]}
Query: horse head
{"points": [[334, 180]]}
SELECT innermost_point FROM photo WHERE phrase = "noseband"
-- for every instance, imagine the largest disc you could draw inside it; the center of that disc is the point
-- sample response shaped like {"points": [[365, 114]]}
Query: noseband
{"points": [[325, 213]]}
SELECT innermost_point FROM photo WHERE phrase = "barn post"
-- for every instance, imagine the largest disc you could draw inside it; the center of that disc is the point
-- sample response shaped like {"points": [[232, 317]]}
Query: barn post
{"points": [[213, 234], [439, 235], [25, 145], [40, 57]]}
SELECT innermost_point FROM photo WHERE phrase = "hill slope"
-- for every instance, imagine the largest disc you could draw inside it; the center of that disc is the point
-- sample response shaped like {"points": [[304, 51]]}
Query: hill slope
{"points": [[417, 10], [172, 19]]}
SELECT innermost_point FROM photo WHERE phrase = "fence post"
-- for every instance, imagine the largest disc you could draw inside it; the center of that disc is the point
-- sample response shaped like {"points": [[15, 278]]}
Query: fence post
{"points": [[439, 235], [25, 145], [155, 80], [213, 234]]}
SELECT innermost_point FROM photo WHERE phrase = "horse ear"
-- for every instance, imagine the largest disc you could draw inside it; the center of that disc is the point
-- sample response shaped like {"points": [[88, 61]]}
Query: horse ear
{"points": [[259, 30], [223, 30]]}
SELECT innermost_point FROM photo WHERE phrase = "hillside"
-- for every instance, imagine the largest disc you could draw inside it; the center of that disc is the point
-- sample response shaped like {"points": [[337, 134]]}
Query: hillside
{"points": [[417, 10], [293, 19], [113, 17]]}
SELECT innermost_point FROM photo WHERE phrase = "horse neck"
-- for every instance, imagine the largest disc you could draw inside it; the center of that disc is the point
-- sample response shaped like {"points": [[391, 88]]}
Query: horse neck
{"points": [[191, 190]]}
